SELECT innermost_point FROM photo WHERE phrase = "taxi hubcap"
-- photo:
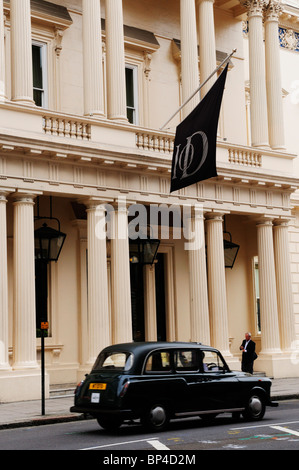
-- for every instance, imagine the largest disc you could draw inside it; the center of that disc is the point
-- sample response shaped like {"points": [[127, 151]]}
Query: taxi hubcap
{"points": [[158, 415], [255, 405]]}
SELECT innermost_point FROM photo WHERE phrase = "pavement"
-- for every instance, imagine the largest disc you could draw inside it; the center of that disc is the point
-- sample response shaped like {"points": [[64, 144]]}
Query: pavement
{"points": [[57, 410]]}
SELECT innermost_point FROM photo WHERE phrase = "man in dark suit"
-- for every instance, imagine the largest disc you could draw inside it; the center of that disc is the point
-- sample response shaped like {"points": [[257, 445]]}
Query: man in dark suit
{"points": [[248, 353]]}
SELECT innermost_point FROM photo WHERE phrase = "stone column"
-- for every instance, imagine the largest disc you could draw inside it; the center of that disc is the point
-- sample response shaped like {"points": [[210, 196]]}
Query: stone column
{"points": [[92, 58], [2, 55], [199, 311], [284, 285], [98, 309], [150, 312], [120, 275], [116, 83], [217, 284], [189, 55], [273, 76], [21, 52], [258, 96], [207, 47], [24, 284], [4, 363], [268, 294]]}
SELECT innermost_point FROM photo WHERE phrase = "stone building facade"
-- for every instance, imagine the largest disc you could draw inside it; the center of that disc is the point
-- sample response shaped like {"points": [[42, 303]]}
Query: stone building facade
{"points": [[85, 88]]}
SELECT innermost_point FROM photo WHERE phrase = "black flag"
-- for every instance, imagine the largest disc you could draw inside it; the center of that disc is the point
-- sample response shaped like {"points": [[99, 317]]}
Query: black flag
{"points": [[194, 155]]}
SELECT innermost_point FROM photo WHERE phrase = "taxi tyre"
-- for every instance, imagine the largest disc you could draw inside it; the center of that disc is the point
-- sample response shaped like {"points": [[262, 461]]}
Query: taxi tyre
{"points": [[255, 408], [110, 423], [156, 417]]}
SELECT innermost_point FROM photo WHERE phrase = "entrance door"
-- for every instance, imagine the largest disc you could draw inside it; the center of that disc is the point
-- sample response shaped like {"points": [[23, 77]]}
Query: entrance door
{"points": [[138, 298], [160, 297], [137, 301]]}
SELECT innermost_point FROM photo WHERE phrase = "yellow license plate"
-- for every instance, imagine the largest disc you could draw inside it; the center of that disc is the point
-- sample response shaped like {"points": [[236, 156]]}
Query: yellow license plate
{"points": [[97, 386]]}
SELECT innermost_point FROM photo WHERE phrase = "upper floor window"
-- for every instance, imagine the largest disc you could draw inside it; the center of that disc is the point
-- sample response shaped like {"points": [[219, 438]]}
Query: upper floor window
{"points": [[39, 63], [132, 95]]}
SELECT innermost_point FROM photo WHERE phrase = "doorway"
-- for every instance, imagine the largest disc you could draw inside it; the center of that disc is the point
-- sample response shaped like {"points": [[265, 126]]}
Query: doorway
{"points": [[138, 296]]}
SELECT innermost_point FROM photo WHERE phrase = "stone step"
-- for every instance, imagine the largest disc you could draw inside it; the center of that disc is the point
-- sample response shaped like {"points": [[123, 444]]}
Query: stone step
{"points": [[62, 390]]}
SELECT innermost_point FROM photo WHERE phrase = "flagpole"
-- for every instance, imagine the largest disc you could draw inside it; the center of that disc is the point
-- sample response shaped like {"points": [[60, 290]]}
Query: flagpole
{"points": [[199, 88]]}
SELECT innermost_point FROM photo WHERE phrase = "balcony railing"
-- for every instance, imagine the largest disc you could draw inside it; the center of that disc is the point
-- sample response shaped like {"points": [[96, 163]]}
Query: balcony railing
{"points": [[120, 143], [71, 128]]}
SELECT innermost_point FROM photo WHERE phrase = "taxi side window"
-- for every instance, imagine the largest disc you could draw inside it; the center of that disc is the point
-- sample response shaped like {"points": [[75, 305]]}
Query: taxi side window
{"points": [[158, 361], [186, 361], [212, 362]]}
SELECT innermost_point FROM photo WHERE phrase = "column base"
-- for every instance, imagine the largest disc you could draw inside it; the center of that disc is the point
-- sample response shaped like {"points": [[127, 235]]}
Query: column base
{"points": [[262, 146], [95, 114], [21, 386], [278, 365], [25, 101]]}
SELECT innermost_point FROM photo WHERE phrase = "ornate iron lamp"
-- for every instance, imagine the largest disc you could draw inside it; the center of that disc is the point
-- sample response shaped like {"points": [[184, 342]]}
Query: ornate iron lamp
{"points": [[230, 250], [48, 241], [144, 251]]}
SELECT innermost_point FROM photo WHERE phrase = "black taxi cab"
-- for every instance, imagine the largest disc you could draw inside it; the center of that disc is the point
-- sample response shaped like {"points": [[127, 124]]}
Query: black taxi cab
{"points": [[158, 381]]}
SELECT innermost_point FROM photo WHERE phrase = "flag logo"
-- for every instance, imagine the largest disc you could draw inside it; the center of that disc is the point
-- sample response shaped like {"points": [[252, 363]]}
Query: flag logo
{"points": [[194, 155]]}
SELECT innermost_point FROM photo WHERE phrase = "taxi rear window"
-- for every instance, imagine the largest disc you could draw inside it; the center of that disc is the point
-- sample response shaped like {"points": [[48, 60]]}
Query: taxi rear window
{"points": [[158, 362], [120, 361]]}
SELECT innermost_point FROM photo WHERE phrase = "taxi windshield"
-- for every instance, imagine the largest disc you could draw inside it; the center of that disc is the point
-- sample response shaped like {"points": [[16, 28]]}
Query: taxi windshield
{"points": [[120, 361]]}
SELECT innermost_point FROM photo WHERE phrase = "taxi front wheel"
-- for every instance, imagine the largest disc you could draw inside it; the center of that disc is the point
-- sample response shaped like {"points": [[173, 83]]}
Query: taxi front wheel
{"points": [[155, 417], [255, 408]]}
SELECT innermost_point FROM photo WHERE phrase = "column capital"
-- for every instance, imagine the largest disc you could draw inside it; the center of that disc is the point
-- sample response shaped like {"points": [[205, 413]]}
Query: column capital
{"points": [[95, 202], [273, 10], [254, 7], [201, 1], [25, 197], [214, 216], [282, 222], [264, 221]]}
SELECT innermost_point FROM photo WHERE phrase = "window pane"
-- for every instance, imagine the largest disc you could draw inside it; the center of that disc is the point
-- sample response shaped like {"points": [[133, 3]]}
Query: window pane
{"points": [[186, 361], [130, 115], [37, 67], [37, 97], [159, 361], [130, 87], [212, 362], [114, 360]]}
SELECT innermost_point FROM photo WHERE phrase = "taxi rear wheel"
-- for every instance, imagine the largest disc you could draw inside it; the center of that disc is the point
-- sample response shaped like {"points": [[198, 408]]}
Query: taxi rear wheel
{"points": [[109, 423], [155, 417]]}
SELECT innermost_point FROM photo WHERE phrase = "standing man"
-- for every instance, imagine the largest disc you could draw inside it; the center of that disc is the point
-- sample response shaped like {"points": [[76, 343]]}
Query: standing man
{"points": [[248, 353]]}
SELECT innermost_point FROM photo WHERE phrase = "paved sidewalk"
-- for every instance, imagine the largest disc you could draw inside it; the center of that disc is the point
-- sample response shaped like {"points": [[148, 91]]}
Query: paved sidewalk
{"points": [[57, 410]]}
